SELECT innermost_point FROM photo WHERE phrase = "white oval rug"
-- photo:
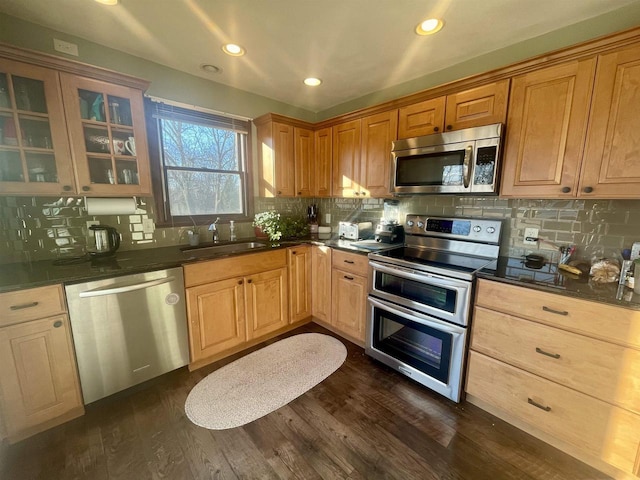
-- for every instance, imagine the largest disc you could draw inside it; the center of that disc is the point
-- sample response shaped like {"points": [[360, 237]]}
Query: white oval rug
{"points": [[263, 381]]}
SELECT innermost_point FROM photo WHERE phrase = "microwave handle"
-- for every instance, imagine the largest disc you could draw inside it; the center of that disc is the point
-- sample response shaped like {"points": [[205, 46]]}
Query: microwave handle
{"points": [[466, 165]]}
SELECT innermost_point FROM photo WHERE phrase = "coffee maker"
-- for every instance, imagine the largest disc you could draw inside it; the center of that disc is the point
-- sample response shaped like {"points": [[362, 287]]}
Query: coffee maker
{"points": [[104, 243]]}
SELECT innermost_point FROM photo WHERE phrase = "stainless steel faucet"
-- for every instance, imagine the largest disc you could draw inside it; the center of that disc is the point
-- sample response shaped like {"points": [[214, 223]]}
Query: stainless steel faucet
{"points": [[214, 230]]}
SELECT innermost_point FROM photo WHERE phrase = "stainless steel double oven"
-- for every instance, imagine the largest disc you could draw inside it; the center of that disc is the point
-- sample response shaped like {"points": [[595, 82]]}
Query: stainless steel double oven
{"points": [[420, 298]]}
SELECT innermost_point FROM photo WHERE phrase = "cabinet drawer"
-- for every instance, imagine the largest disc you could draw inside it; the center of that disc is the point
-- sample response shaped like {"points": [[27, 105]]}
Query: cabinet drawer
{"points": [[238, 266], [600, 369], [351, 262], [601, 430], [607, 322], [24, 305]]}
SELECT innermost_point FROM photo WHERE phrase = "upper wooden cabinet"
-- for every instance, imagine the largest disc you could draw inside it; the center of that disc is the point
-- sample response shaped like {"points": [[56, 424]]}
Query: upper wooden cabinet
{"points": [[546, 129], [362, 155], [323, 163], [70, 128], [611, 168], [469, 108], [285, 157]]}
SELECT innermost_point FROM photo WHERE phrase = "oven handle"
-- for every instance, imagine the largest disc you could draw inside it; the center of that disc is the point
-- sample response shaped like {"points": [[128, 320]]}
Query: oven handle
{"points": [[418, 317], [423, 277]]}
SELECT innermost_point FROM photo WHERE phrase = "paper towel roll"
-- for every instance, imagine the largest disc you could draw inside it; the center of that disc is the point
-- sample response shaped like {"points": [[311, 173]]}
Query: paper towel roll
{"points": [[110, 206]]}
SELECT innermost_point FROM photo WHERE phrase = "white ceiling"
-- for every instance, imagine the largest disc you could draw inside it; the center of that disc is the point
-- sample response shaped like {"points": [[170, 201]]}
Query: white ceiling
{"points": [[356, 46]]}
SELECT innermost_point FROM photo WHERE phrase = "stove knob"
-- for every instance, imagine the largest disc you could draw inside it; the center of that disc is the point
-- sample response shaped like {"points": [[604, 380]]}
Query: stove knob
{"points": [[420, 224], [477, 228], [491, 230]]}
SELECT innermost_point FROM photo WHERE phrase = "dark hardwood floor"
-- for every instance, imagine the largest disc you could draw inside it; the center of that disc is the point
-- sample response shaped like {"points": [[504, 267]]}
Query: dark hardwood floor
{"points": [[363, 422]]}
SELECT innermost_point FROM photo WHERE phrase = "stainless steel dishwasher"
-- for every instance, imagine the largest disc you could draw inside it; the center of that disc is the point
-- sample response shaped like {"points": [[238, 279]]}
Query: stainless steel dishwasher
{"points": [[128, 329]]}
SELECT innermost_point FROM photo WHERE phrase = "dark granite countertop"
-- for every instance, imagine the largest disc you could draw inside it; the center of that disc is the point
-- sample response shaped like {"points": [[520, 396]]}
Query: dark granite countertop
{"points": [[17, 276], [549, 279]]}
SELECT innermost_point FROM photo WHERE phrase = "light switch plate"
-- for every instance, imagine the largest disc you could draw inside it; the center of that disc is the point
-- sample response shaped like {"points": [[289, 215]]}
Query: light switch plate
{"points": [[529, 234], [65, 47]]}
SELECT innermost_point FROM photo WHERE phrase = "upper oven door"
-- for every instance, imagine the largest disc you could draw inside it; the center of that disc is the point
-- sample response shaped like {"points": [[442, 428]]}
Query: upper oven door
{"points": [[434, 169], [442, 297]]}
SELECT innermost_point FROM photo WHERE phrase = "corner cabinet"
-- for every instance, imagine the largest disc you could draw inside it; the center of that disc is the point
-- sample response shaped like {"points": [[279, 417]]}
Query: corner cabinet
{"points": [[38, 380], [67, 128]]}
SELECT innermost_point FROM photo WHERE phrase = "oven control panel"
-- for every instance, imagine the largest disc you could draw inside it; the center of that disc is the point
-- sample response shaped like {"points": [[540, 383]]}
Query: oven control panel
{"points": [[472, 229]]}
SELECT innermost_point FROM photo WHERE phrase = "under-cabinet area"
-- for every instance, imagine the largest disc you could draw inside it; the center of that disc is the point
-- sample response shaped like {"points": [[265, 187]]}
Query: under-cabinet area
{"points": [[554, 366]]}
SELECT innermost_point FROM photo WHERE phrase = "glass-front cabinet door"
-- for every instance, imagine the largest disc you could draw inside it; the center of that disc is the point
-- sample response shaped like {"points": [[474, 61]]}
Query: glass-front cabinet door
{"points": [[106, 127], [34, 146]]}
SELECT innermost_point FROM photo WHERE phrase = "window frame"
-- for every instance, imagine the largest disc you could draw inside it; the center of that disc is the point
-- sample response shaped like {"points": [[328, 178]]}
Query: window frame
{"points": [[164, 218]]}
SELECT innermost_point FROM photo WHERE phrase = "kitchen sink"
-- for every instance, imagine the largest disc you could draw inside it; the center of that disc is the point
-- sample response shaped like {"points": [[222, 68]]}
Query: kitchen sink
{"points": [[210, 250]]}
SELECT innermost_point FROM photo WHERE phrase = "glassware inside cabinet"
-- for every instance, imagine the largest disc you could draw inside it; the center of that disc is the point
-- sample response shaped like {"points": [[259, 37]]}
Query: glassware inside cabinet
{"points": [[127, 172], [41, 167], [10, 166], [29, 94], [119, 110], [5, 100], [35, 132], [8, 130], [96, 139], [101, 170]]}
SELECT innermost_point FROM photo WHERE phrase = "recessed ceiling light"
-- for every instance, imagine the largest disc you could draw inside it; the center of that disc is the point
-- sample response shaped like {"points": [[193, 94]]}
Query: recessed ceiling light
{"points": [[108, 2], [430, 26], [210, 68], [233, 50], [312, 81]]}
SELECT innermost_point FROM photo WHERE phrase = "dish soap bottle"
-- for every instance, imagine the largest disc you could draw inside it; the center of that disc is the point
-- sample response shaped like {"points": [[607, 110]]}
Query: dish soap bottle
{"points": [[232, 231]]}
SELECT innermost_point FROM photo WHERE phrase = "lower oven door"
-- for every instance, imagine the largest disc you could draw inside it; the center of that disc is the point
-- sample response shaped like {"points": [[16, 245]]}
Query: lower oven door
{"points": [[442, 297], [423, 348]]}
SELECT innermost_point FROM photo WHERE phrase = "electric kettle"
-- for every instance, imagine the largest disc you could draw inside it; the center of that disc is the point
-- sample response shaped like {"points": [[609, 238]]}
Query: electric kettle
{"points": [[105, 242]]}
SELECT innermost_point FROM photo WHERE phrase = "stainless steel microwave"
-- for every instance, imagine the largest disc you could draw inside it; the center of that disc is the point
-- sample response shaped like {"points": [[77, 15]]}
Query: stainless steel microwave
{"points": [[460, 162]]}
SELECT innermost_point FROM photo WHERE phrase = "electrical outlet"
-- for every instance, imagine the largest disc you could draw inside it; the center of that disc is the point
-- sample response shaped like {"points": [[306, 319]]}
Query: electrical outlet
{"points": [[147, 225], [65, 47], [92, 222], [530, 236]]}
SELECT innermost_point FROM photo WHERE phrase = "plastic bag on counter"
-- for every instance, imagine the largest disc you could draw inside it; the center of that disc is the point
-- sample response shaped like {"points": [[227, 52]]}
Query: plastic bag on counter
{"points": [[605, 265]]}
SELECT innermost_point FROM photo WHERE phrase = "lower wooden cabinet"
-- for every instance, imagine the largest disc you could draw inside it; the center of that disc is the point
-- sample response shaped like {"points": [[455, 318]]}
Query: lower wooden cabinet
{"points": [[38, 378], [321, 283], [558, 368], [299, 262], [234, 301]]}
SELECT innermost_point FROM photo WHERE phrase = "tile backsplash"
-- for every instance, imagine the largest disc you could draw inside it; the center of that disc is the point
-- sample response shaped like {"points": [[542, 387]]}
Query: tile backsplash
{"points": [[37, 228]]}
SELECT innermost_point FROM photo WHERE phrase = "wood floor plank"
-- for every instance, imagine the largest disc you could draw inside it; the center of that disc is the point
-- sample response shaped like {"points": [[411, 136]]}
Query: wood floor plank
{"points": [[245, 458]]}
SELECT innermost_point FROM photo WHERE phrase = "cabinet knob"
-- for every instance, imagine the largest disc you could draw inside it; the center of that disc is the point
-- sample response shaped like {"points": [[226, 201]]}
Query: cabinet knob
{"points": [[249, 281], [279, 192], [566, 189], [449, 127], [85, 188], [363, 193], [240, 282], [436, 129], [67, 188], [57, 324], [588, 189], [357, 193], [299, 193]]}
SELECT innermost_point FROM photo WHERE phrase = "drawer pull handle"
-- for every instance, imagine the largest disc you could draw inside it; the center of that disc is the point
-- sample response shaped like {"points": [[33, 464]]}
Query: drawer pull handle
{"points": [[348, 278], [349, 261], [536, 404], [552, 355], [557, 312], [23, 306]]}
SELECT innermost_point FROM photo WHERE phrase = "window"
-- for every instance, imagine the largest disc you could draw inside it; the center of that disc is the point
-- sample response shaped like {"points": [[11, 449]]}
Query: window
{"points": [[200, 165]]}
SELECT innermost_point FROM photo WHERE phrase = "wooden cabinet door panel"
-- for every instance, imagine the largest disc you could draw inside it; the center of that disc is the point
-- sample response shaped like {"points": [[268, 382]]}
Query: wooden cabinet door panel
{"points": [[346, 159], [300, 283], [611, 166], [284, 160], [267, 302], [478, 106], [216, 315], [323, 163], [597, 368], [547, 124], [304, 156], [378, 131], [595, 427], [349, 294], [422, 118], [321, 282], [38, 376]]}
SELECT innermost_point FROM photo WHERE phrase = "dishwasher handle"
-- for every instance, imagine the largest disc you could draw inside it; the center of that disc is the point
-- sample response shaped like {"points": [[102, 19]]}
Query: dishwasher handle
{"points": [[98, 292]]}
